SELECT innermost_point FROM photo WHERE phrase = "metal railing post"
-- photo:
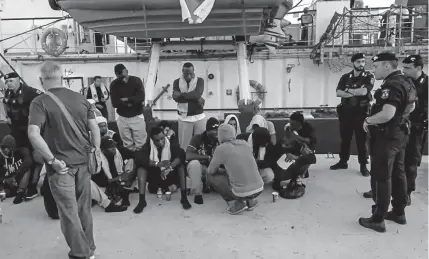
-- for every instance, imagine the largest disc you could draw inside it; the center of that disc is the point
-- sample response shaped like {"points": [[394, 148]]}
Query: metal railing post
{"points": [[400, 28]]}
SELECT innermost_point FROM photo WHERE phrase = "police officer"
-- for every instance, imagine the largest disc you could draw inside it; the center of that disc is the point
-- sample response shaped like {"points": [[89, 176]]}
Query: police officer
{"points": [[394, 102], [412, 68], [17, 101], [354, 89]]}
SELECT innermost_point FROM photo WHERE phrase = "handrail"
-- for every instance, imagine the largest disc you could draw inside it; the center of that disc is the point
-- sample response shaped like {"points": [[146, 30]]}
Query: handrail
{"points": [[36, 18]]}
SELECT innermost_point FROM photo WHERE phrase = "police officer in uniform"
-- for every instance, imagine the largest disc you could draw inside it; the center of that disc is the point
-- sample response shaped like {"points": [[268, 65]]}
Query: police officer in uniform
{"points": [[412, 68], [390, 128], [17, 101], [354, 89]]}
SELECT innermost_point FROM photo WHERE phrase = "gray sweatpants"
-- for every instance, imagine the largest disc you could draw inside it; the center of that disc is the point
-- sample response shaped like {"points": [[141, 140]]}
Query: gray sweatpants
{"points": [[72, 193], [189, 129]]}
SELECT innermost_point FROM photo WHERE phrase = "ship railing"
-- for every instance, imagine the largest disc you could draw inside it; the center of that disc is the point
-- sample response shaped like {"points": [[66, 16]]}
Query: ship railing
{"points": [[385, 27]]}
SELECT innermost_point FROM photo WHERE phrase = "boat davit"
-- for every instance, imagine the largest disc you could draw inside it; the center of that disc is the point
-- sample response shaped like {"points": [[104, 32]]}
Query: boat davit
{"points": [[175, 18]]}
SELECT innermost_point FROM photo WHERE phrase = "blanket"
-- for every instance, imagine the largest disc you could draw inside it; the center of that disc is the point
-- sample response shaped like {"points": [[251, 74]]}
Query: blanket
{"points": [[119, 163]]}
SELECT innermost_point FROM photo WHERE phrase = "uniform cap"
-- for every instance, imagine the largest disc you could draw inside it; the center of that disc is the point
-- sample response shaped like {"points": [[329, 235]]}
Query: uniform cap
{"points": [[385, 56], [11, 75], [357, 56], [417, 60]]}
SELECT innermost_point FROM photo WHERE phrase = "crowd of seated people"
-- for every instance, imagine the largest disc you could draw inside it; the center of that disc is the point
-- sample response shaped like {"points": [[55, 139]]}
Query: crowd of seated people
{"points": [[211, 162]]}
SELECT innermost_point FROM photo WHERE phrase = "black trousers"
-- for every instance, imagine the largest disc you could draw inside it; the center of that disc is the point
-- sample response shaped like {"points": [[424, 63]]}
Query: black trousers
{"points": [[294, 170], [413, 156], [388, 178], [155, 181], [351, 121]]}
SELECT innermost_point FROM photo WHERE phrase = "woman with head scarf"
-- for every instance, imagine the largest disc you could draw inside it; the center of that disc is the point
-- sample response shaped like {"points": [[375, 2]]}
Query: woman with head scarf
{"points": [[233, 121], [264, 153]]}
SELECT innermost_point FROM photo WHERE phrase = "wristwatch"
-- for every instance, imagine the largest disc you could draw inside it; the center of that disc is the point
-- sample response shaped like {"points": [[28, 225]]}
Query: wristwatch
{"points": [[51, 161]]}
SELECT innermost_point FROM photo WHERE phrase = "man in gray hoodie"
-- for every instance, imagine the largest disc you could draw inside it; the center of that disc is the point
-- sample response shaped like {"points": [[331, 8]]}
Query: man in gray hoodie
{"points": [[241, 183]]}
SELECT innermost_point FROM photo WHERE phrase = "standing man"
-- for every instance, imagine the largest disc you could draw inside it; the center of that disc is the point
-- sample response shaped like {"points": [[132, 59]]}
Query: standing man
{"points": [[65, 155], [17, 101], [394, 102], [98, 92], [412, 68], [354, 89], [187, 92], [127, 97]]}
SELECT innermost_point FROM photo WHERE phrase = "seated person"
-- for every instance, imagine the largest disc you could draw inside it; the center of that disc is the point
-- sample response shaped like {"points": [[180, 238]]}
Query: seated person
{"points": [[97, 195], [233, 121], [240, 183], [259, 119], [113, 169], [15, 165], [105, 131], [264, 153], [299, 145], [199, 154], [161, 164], [168, 132]]}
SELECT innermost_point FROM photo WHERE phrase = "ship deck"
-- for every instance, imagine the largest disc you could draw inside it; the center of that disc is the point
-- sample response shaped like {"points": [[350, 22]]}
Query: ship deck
{"points": [[322, 224]]}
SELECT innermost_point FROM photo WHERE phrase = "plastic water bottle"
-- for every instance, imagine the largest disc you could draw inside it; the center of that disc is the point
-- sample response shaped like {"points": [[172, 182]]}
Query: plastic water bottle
{"points": [[159, 194]]}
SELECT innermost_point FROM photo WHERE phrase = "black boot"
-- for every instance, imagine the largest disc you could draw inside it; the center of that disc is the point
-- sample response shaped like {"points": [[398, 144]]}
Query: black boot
{"points": [[395, 217], [340, 165], [375, 225], [368, 194], [363, 170], [184, 201]]}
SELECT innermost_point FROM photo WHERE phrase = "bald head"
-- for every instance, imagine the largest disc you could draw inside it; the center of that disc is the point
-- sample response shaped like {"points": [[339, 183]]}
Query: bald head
{"points": [[50, 75]]}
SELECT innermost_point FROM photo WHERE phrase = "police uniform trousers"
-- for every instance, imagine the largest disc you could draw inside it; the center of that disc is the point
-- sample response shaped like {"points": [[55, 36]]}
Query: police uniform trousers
{"points": [[388, 178], [351, 121], [413, 156]]}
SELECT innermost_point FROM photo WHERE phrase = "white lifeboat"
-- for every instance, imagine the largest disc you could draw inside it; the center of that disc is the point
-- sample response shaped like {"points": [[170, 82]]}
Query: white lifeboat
{"points": [[165, 18]]}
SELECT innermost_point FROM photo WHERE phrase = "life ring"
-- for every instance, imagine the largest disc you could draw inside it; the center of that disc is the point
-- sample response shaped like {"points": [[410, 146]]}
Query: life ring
{"points": [[258, 87], [55, 48]]}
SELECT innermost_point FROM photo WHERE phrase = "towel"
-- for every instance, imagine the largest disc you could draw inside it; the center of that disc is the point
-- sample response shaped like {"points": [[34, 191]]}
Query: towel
{"points": [[229, 117], [95, 97], [119, 163], [183, 85], [165, 155], [196, 11], [259, 120]]}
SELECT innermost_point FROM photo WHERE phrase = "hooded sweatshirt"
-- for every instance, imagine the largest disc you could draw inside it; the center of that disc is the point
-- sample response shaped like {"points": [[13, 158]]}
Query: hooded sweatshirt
{"points": [[17, 163], [232, 116], [237, 158]]}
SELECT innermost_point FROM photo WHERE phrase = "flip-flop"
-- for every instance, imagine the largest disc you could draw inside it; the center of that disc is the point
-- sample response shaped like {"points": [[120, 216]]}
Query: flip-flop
{"points": [[250, 208], [238, 211]]}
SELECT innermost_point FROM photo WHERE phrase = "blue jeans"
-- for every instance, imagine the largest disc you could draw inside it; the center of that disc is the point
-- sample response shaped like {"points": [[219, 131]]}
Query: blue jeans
{"points": [[72, 193]]}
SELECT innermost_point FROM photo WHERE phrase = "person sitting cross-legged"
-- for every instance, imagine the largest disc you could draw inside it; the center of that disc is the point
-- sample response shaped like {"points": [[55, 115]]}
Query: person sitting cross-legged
{"points": [[15, 165], [240, 183], [161, 164]]}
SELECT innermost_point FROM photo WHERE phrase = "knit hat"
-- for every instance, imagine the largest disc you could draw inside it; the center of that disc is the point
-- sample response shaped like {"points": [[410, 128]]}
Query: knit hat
{"points": [[8, 141], [107, 142], [212, 124], [226, 133]]}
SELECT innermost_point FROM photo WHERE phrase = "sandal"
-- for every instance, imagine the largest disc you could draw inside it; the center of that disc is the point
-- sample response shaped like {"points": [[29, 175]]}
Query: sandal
{"points": [[234, 211], [250, 208]]}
